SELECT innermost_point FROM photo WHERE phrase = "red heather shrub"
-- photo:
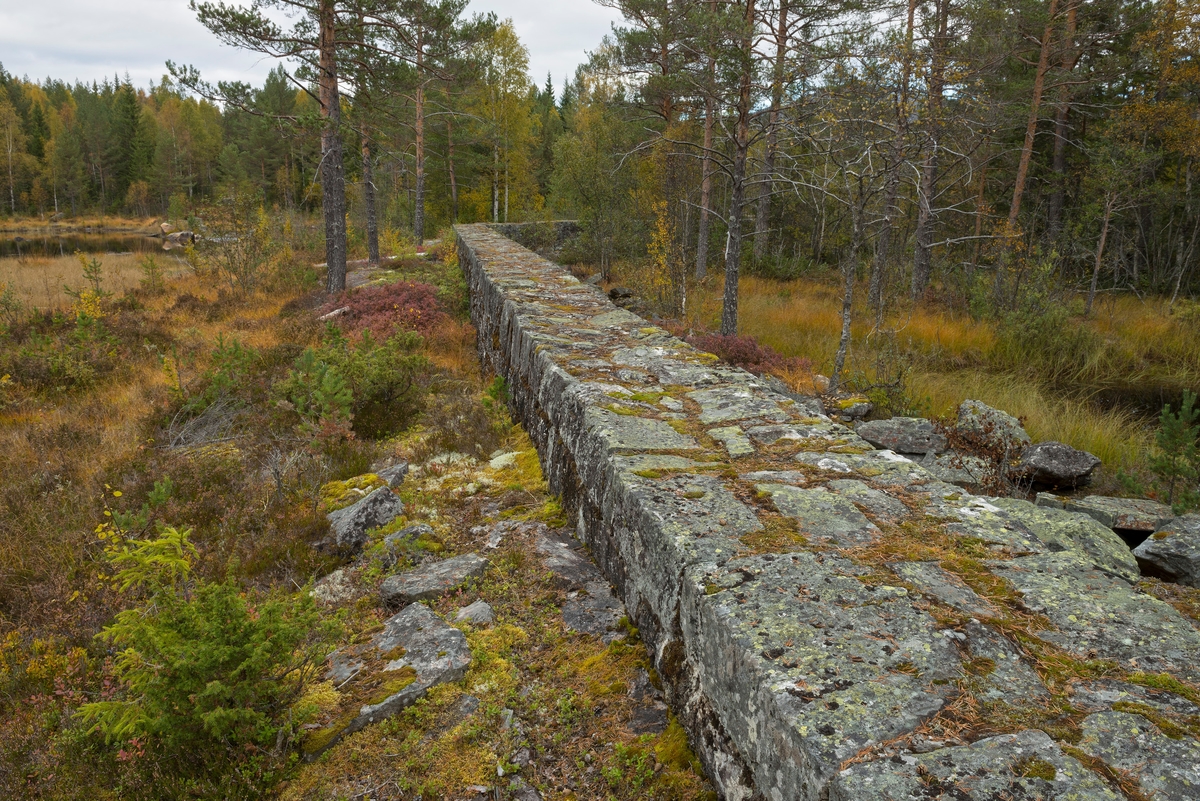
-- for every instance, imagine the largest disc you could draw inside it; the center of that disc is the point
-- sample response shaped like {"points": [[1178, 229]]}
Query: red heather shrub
{"points": [[406, 305], [747, 353]]}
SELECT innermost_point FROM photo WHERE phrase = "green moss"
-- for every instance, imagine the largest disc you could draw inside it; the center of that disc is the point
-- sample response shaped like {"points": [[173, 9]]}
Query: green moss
{"points": [[648, 473], [672, 748], [1167, 726], [1035, 768], [397, 680], [1160, 535], [340, 494], [622, 410], [1165, 681]]}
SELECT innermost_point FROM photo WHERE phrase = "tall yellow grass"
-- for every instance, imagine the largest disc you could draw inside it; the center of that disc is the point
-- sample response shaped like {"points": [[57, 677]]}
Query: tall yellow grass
{"points": [[954, 357], [39, 281]]}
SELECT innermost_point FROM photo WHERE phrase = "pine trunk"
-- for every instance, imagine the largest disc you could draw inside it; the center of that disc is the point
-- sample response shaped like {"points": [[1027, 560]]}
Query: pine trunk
{"points": [[923, 256], [333, 176], [737, 198], [369, 202], [1039, 83]]}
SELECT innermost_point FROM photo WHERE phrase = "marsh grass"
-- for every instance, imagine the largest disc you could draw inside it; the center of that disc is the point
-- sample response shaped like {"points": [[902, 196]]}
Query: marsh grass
{"points": [[1052, 377], [38, 282]]}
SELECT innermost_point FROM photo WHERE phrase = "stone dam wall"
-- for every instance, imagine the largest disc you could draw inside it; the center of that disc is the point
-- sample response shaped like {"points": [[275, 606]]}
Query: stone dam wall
{"points": [[828, 620]]}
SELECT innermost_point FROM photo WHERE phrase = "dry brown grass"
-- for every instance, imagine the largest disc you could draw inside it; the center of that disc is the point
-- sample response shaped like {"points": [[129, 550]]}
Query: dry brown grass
{"points": [[39, 281], [951, 357]]}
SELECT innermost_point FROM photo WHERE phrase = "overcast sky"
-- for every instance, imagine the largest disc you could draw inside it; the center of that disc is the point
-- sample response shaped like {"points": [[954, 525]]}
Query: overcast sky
{"points": [[90, 39]]}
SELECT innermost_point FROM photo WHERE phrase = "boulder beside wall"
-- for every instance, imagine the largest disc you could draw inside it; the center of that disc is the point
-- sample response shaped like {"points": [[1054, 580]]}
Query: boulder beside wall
{"points": [[1172, 552], [992, 427], [348, 527], [1057, 464], [903, 435]]}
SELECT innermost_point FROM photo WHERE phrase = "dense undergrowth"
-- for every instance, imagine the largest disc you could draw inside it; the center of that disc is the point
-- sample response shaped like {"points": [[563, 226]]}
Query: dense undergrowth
{"points": [[170, 454]]}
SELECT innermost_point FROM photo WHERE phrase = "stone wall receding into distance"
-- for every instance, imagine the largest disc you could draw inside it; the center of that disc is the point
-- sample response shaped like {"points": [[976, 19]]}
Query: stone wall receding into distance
{"points": [[828, 620]]}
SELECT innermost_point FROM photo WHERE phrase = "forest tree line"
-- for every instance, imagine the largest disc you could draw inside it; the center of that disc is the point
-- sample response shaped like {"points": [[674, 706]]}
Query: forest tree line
{"points": [[988, 152]]}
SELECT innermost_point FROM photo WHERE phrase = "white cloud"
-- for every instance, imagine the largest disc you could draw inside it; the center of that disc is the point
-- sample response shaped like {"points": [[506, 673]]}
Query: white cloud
{"points": [[93, 39]]}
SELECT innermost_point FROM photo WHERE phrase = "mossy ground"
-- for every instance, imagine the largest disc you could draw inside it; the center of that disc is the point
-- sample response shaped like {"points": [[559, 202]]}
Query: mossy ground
{"points": [[532, 684]]}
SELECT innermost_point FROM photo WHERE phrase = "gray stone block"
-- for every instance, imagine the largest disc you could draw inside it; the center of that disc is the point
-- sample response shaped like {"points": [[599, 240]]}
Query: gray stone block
{"points": [[1172, 552], [349, 526], [431, 580], [903, 435]]}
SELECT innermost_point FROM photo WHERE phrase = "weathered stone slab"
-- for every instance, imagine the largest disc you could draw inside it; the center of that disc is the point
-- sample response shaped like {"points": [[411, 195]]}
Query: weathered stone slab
{"points": [[1057, 464], [874, 501], [903, 435], [1166, 768], [946, 587], [822, 515], [1026, 765], [807, 683], [1100, 695], [998, 667], [1130, 514], [415, 651], [734, 403], [1172, 552], [1085, 536], [594, 610], [570, 568], [431, 580], [734, 439], [349, 526], [623, 432], [1097, 616], [878, 468]]}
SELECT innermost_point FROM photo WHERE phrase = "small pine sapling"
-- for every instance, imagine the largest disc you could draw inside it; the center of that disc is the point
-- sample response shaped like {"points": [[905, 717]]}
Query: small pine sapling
{"points": [[1176, 462]]}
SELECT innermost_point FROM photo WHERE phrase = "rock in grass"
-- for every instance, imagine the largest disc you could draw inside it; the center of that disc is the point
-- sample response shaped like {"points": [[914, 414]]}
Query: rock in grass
{"points": [[1128, 514], [992, 427], [1027, 764], [349, 526], [903, 435], [1057, 464], [395, 474], [431, 580], [415, 651], [952, 467], [477, 614], [1173, 551]]}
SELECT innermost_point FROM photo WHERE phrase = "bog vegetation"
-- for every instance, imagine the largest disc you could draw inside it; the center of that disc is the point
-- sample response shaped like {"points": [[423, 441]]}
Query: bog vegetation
{"points": [[923, 201]]}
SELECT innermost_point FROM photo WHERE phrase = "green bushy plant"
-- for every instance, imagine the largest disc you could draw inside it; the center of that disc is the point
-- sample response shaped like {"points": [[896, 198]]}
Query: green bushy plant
{"points": [[204, 674], [1176, 461], [378, 385]]}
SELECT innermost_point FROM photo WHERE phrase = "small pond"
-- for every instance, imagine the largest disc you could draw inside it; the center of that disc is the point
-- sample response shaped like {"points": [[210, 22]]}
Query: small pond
{"points": [[54, 244]]}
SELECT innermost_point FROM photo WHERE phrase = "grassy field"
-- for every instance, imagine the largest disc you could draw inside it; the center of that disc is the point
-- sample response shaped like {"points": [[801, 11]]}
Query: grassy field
{"points": [[40, 282], [1128, 346]]}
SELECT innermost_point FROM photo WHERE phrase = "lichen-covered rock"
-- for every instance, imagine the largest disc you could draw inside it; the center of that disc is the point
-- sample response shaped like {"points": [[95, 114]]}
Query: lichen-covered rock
{"points": [[1167, 768], [1056, 464], [734, 403], [1064, 530], [997, 666], [1128, 514], [903, 435], [594, 610], [431, 580], [349, 526], [1026, 765], [394, 475], [808, 664], [946, 587], [479, 614], [822, 515], [416, 650], [736, 443], [962, 469], [1096, 616], [1172, 552], [992, 427], [873, 501]]}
